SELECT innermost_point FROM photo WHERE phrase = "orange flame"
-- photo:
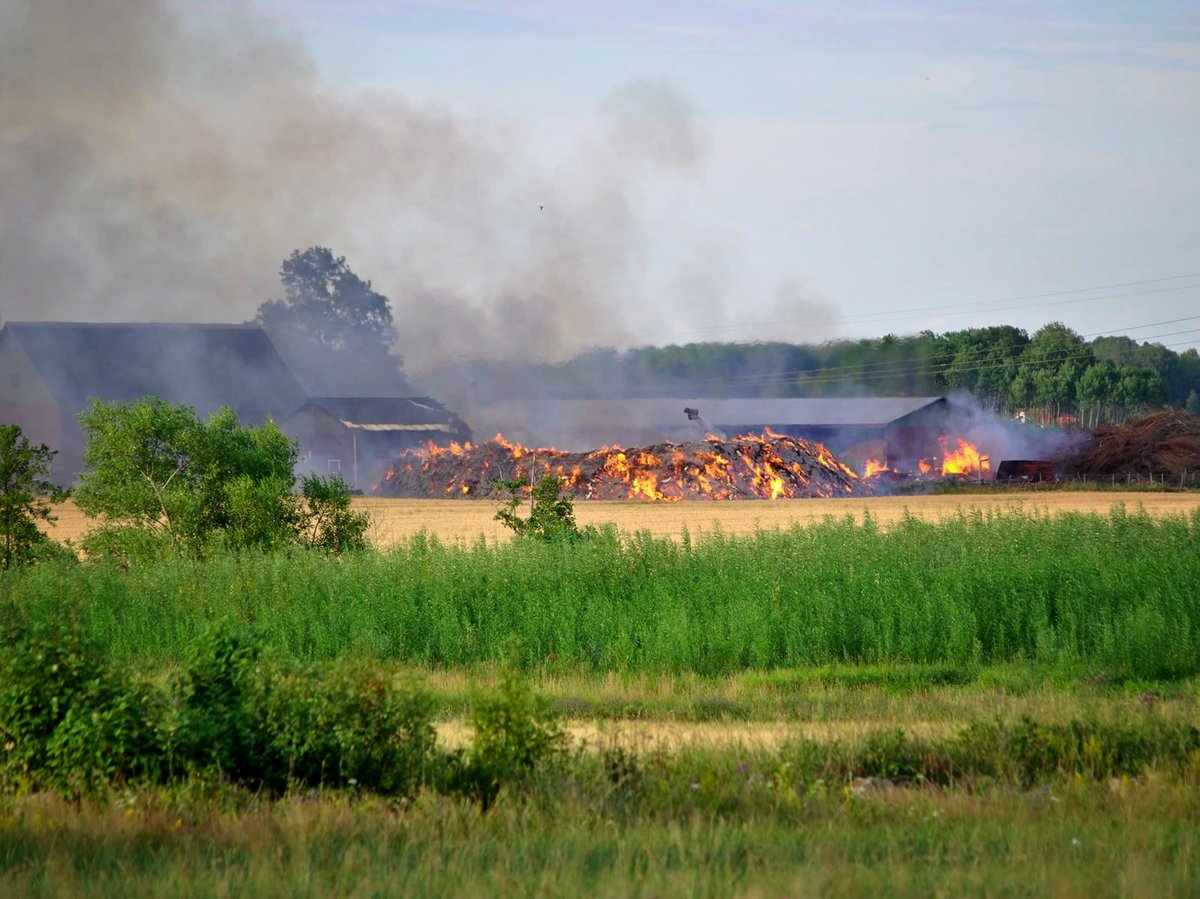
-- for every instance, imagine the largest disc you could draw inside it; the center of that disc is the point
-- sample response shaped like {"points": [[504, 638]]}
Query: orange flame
{"points": [[875, 468], [751, 464], [964, 460]]}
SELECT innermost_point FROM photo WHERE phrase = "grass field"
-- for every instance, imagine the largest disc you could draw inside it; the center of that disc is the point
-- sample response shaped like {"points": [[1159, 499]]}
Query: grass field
{"points": [[970, 695], [450, 520]]}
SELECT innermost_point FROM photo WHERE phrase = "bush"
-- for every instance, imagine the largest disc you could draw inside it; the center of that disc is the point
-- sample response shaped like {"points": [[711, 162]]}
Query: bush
{"points": [[25, 494], [221, 694], [551, 516], [515, 732], [350, 727], [163, 480], [68, 719], [326, 520]]}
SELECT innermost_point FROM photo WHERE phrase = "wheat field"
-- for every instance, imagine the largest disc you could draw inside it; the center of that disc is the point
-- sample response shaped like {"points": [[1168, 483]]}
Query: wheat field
{"points": [[461, 520]]}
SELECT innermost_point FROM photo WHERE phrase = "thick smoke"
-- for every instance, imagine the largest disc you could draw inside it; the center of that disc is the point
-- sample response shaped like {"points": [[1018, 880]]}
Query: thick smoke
{"points": [[1001, 438], [153, 167]]}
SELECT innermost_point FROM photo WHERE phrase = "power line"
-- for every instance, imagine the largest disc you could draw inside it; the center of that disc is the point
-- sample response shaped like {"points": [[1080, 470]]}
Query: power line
{"points": [[893, 315], [924, 369], [902, 365]]}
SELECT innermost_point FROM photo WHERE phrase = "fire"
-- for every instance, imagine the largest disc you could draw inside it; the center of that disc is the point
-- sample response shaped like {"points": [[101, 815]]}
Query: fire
{"points": [[766, 466], [875, 468], [964, 460]]}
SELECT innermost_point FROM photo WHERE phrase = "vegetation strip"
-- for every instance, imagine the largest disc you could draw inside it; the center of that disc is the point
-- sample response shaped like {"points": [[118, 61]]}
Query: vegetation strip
{"points": [[1112, 594]]}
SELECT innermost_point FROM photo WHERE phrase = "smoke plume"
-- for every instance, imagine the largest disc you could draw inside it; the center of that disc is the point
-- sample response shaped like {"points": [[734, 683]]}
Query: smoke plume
{"points": [[158, 166]]}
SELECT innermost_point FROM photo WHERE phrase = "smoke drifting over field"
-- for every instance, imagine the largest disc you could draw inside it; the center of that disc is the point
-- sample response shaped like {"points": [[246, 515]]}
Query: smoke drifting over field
{"points": [[159, 167]]}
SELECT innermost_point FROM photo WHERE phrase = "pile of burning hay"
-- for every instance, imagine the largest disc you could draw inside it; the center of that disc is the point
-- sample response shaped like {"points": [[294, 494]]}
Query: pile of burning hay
{"points": [[770, 466], [1162, 444]]}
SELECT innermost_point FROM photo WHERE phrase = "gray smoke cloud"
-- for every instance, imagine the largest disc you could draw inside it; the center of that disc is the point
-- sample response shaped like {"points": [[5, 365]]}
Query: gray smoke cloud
{"points": [[155, 166]]}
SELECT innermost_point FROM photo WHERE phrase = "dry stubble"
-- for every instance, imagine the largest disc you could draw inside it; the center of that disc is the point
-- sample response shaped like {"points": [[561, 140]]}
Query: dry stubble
{"points": [[468, 520]]}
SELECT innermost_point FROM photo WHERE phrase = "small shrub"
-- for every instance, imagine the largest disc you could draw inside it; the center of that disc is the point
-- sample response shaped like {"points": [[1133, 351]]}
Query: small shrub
{"points": [[351, 727], [68, 718], [222, 695], [326, 521], [515, 732], [25, 497], [551, 515], [125, 546]]}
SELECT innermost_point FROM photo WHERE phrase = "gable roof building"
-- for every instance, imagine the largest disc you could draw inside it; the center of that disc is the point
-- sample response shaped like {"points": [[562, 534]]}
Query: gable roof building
{"points": [[358, 437], [584, 424], [49, 372]]}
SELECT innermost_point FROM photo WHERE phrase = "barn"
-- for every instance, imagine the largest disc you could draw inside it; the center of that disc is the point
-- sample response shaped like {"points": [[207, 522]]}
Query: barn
{"points": [[50, 371], [903, 429], [358, 437]]}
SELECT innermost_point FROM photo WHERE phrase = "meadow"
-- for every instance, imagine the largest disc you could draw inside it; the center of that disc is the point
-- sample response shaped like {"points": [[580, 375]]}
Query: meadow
{"points": [[1110, 593], [994, 699]]}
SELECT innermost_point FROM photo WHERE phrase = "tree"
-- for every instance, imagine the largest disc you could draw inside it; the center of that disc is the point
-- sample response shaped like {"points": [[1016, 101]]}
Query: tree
{"points": [[158, 474], [334, 330], [25, 496]]}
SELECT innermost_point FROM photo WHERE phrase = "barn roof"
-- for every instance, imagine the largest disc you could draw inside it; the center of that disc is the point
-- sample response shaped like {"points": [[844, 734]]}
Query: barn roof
{"points": [[825, 412], [203, 365], [419, 413]]}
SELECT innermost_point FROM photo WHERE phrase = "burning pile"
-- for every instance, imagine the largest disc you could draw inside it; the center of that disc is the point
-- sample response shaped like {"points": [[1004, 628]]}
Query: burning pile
{"points": [[767, 466], [963, 461], [1164, 443]]}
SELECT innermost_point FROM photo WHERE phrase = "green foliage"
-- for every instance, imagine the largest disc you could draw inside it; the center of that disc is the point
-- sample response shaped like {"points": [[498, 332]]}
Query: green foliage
{"points": [[326, 520], [551, 515], [68, 718], [332, 327], [1002, 366], [165, 482], [221, 693], [25, 497], [1110, 593], [515, 733], [1024, 752], [350, 727]]}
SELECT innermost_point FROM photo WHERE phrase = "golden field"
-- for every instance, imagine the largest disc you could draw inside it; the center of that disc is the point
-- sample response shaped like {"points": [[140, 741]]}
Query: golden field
{"points": [[468, 520]]}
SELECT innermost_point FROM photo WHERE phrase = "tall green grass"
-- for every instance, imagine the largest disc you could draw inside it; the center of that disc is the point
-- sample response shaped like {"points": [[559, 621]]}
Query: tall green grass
{"points": [[1118, 593]]}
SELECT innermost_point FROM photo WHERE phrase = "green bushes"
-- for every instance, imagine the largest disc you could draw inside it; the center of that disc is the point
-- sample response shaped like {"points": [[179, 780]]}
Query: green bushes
{"points": [[72, 720], [1025, 753], [1087, 594], [25, 497], [67, 716], [164, 483]]}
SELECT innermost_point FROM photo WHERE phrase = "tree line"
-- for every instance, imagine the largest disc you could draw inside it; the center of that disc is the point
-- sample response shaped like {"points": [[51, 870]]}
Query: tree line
{"points": [[338, 334], [1053, 375]]}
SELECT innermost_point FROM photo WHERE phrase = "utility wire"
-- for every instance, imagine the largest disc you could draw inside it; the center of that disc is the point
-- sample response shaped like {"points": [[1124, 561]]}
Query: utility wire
{"points": [[909, 369], [873, 367], [893, 315]]}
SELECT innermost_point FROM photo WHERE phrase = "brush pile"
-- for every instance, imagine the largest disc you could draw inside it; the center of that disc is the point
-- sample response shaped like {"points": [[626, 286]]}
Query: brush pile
{"points": [[769, 466], [1164, 443]]}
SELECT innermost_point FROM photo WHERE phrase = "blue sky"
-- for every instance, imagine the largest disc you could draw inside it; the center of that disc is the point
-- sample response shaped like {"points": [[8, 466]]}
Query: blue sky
{"points": [[860, 167]]}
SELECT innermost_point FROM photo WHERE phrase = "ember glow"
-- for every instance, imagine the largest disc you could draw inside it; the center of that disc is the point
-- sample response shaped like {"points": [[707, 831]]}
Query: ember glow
{"points": [[753, 466]]}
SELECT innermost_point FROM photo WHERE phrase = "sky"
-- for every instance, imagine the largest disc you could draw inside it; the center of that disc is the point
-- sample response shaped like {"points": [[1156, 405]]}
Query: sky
{"points": [[538, 177]]}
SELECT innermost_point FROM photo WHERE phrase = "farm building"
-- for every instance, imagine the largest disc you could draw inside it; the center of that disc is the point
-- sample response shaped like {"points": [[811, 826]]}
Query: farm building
{"points": [[358, 437], [49, 372], [904, 429]]}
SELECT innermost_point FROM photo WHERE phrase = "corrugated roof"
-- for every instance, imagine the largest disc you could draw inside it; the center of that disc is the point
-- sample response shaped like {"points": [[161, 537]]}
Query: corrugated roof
{"points": [[390, 413], [825, 412], [203, 365]]}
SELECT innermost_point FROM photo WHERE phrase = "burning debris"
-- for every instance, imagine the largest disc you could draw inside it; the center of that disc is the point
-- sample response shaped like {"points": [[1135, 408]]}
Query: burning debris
{"points": [[963, 461], [766, 466]]}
